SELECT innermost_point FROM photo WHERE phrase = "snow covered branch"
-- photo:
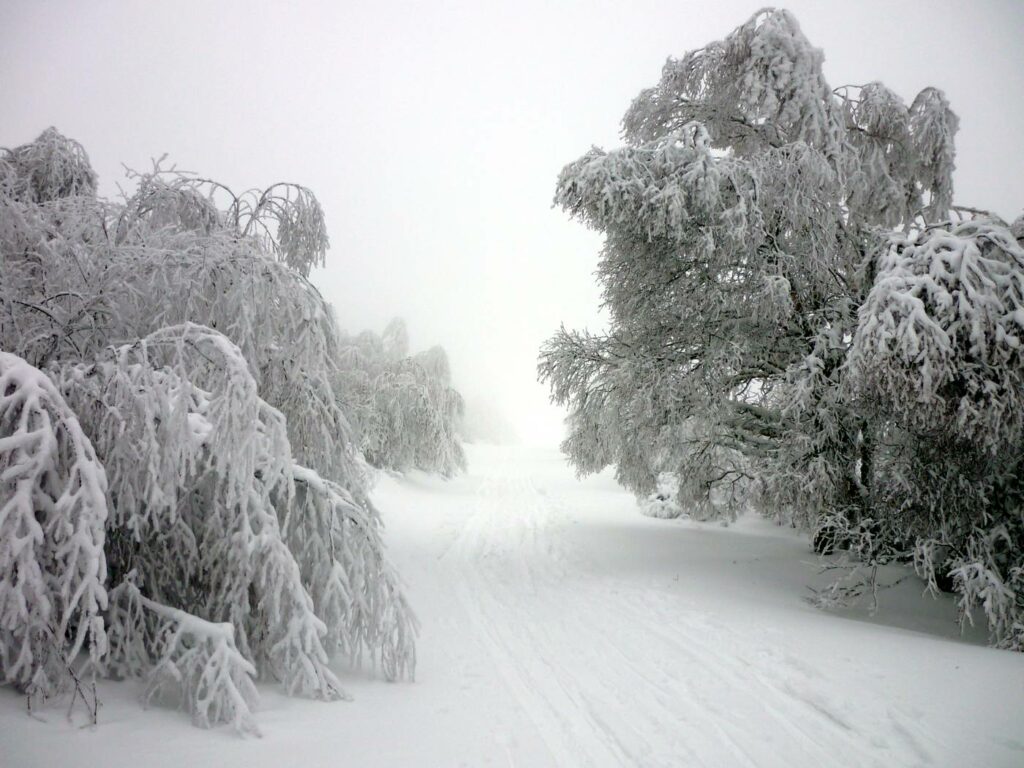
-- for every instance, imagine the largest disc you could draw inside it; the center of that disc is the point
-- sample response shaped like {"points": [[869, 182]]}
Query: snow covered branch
{"points": [[53, 508]]}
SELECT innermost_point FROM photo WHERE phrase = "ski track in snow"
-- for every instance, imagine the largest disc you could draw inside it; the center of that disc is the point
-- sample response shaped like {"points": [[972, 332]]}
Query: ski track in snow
{"points": [[613, 676]]}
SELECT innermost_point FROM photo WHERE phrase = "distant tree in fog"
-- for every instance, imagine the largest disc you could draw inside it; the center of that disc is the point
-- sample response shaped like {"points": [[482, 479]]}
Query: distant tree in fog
{"points": [[801, 320], [406, 411]]}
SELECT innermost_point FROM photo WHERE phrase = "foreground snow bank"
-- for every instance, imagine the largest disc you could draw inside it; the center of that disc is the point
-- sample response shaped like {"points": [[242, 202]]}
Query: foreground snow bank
{"points": [[562, 628]]}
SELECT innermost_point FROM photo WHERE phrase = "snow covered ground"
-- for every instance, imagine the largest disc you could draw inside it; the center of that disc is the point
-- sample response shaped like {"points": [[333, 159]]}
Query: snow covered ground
{"points": [[562, 628]]}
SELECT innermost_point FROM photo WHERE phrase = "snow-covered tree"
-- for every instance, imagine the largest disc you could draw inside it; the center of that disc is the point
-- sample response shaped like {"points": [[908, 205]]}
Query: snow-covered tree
{"points": [[764, 343], [407, 411], [192, 375]]}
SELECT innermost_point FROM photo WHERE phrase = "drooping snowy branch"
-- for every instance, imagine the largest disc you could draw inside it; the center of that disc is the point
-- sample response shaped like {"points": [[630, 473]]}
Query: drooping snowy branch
{"points": [[53, 508], [199, 527], [285, 219], [193, 660], [354, 590]]}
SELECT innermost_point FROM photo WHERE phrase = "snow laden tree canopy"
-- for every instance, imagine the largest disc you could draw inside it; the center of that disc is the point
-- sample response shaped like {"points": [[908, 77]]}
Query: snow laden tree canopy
{"points": [[182, 497], [801, 321], [405, 409]]}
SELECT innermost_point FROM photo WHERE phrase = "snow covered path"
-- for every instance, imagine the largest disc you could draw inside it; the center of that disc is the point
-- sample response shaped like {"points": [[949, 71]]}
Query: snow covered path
{"points": [[561, 628], [614, 674]]}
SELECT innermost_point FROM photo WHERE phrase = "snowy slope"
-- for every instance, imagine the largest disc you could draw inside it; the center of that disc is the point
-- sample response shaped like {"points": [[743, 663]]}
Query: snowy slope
{"points": [[561, 628]]}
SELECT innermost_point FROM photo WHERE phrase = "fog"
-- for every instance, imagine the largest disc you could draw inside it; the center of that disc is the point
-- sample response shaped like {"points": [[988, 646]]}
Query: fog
{"points": [[433, 132]]}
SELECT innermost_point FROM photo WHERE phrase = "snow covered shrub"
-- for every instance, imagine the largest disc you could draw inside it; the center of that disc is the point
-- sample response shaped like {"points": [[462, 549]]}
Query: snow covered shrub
{"points": [[405, 407], [664, 502], [796, 324], [53, 508], [201, 364]]}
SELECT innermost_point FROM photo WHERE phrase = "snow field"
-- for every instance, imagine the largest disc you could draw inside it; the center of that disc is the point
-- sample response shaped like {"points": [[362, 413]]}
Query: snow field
{"points": [[562, 628]]}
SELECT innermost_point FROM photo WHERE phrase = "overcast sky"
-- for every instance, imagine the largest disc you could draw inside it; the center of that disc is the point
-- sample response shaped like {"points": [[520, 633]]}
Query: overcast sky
{"points": [[433, 132]]}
